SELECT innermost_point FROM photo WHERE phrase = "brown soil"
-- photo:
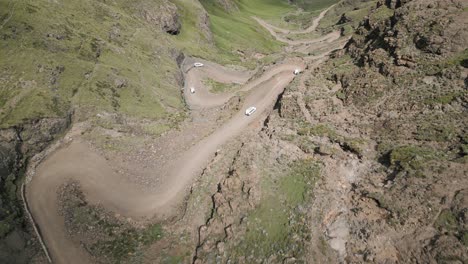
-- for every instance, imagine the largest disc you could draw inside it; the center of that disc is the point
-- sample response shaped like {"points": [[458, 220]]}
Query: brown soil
{"points": [[109, 180]]}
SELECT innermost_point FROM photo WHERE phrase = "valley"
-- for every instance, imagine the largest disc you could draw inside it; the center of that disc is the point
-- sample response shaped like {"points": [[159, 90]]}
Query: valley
{"points": [[360, 158]]}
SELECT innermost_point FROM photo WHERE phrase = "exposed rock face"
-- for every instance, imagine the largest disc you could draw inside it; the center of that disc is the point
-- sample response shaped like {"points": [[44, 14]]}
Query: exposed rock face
{"points": [[204, 24], [395, 3], [344, 19], [406, 75], [387, 119], [419, 31], [17, 145], [165, 16]]}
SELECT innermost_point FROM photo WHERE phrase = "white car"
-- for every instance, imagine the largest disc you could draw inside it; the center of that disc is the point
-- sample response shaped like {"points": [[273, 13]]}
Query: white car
{"points": [[198, 64], [297, 71], [192, 90], [250, 110]]}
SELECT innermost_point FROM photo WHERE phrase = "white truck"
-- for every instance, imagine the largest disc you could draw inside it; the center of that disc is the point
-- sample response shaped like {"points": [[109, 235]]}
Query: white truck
{"points": [[249, 111], [297, 71], [192, 90], [198, 64]]}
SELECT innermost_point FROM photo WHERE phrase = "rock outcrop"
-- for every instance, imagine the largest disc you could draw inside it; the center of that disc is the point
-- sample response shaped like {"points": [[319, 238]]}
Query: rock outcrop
{"points": [[227, 5], [403, 71], [17, 146], [164, 16]]}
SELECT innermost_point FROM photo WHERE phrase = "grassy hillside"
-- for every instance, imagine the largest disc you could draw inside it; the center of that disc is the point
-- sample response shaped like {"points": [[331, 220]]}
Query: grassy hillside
{"points": [[97, 56], [237, 35], [312, 5]]}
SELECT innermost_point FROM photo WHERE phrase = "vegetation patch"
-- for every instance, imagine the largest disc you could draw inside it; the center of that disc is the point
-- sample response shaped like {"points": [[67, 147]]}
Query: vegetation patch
{"points": [[94, 55], [110, 239], [381, 13], [444, 99], [10, 210], [236, 34], [341, 95], [279, 224], [355, 145], [321, 130], [412, 159], [355, 11], [446, 221], [128, 242], [435, 132], [219, 87], [464, 239], [308, 5]]}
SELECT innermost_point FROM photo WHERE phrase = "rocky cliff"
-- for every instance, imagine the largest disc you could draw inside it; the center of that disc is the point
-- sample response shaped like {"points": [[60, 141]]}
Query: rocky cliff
{"points": [[17, 146], [381, 127], [363, 160], [399, 88]]}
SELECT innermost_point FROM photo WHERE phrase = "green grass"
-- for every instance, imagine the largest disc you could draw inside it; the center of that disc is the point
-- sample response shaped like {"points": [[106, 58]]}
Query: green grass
{"points": [[435, 131], [271, 226], [129, 242], [341, 65], [237, 31], [117, 241], [62, 55], [464, 239], [446, 220], [156, 129], [8, 206], [233, 32], [456, 60], [355, 10], [412, 159], [444, 98], [381, 13], [219, 87], [321, 130], [341, 95]]}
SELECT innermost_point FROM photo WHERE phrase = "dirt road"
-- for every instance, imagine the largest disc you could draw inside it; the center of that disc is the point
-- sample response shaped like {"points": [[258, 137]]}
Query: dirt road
{"points": [[281, 34], [310, 29], [103, 185]]}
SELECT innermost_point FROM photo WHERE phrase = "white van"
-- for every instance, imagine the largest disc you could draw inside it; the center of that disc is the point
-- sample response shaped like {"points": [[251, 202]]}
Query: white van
{"points": [[297, 71], [198, 64], [250, 110], [192, 90]]}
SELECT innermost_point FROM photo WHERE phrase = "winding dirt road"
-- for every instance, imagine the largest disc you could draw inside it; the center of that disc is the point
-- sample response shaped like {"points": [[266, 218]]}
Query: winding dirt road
{"points": [[281, 34], [102, 185]]}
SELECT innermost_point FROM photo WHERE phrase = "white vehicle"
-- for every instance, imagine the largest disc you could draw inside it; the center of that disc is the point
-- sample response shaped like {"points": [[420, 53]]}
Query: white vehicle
{"points": [[297, 71], [250, 110], [192, 90], [198, 64]]}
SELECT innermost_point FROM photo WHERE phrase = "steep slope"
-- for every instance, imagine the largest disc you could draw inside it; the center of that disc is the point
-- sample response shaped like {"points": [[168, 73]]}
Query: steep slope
{"points": [[94, 56], [113, 65], [64, 59], [364, 159], [387, 117]]}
